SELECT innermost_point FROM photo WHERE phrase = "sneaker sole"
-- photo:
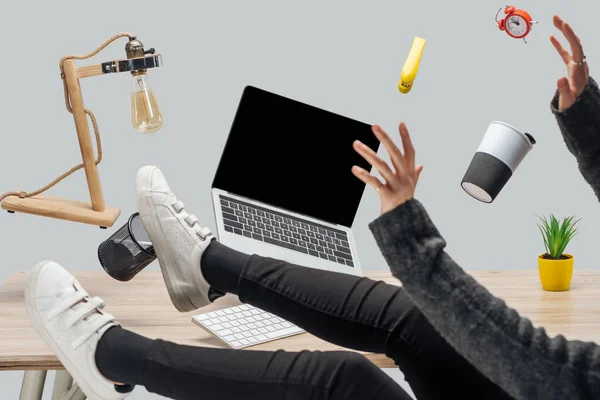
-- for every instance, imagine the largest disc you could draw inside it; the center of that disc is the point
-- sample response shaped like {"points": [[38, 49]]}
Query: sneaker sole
{"points": [[181, 301], [72, 369]]}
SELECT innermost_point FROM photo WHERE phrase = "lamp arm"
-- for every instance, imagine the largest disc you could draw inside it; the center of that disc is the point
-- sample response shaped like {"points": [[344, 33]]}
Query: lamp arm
{"points": [[23, 194]]}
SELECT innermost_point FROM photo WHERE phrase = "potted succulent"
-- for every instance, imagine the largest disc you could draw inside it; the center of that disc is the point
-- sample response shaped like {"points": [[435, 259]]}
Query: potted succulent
{"points": [[556, 267]]}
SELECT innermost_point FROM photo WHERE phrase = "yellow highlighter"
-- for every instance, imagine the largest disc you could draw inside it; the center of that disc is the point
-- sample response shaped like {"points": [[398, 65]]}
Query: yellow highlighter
{"points": [[411, 65]]}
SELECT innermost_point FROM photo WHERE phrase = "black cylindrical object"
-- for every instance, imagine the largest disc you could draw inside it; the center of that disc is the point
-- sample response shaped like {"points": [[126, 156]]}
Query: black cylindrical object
{"points": [[128, 251]]}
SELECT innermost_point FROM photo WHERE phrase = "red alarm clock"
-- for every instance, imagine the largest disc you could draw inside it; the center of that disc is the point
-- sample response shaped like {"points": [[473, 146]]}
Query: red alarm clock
{"points": [[516, 23]]}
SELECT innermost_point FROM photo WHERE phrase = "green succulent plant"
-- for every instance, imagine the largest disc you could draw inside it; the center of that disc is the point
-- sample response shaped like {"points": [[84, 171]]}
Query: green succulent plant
{"points": [[557, 235]]}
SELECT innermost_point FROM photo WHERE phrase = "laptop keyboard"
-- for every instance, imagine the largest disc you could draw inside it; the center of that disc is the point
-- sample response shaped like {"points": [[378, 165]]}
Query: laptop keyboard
{"points": [[282, 230]]}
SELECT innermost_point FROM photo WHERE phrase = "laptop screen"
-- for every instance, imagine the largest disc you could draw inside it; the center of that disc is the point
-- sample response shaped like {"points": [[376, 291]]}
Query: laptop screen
{"points": [[294, 156]]}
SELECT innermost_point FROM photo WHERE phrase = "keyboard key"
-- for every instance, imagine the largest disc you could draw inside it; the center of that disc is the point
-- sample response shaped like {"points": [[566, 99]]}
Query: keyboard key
{"points": [[331, 245], [257, 218], [293, 241], [322, 231], [293, 229], [257, 237], [228, 228], [287, 233], [319, 236], [342, 255], [251, 223], [228, 210], [341, 236], [257, 230], [244, 341], [247, 234], [296, 223], [237, 231], [287, 220], [290, 246], [248, 215], [341, 260], [224, 332], [304, 226], [332, 258], [260, 225], [313, 253], [251, 210], [330, 234], [224, 203], [329, 251], [275, 236], [344, 249], [310, 234], [313, 229], [322, 243], [275, 223], [266, 221], [260, 212], [228, 222], [285, 226], [233, 205], [322, 255], [279, 231], [243, 208], [296, 236], [270, 228], [349, 263], [266, 233], [283, 332], [345, 244], [301, 243], [252, 340], [236, 344], [278, 218], [239, 214], [230, 216]]}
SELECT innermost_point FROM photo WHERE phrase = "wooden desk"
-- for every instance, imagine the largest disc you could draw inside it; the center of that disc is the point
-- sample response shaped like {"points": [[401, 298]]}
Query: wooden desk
{"points": [[143, 306]]}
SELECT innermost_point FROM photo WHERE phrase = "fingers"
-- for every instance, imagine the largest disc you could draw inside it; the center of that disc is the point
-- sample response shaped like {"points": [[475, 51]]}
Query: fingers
{"points": [[368, 154], [418, 171], [566, 97], [367, 178], [409, 149], [574, 42], [392, 149], [564, 54]]}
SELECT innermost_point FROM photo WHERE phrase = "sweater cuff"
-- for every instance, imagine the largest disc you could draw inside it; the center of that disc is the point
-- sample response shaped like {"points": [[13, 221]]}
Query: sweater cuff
{"points": [[405, 224], [585, 105]]}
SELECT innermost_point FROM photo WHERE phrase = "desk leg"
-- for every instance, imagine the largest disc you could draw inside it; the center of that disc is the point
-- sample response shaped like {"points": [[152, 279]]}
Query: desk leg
{"points": [[33, 385], [62, 383]]}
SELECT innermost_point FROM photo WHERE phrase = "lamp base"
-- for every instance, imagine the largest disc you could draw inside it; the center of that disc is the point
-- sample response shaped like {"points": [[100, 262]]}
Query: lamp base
{"points": [[54, 207]]}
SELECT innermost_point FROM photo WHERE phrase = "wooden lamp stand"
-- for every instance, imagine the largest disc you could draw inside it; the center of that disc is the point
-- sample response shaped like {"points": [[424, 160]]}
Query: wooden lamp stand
{"points": [[96, 212]]}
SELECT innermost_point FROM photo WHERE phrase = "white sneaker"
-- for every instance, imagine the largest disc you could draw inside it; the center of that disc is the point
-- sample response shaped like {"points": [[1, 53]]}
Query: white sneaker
{"points": [[71, 323], [178, 239]]}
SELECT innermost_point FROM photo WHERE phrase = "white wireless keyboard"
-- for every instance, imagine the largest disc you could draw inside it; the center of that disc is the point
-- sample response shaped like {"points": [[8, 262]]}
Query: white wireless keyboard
{"points": [[245, 326]]}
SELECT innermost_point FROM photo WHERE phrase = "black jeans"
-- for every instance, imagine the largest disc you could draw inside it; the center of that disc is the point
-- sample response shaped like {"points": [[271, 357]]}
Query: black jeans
{"points": [[351, 312]]}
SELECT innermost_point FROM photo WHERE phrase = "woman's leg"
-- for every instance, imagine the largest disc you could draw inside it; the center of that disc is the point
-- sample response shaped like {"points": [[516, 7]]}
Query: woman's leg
{"points": [[186, 372], [352, 312], [97, 352]]}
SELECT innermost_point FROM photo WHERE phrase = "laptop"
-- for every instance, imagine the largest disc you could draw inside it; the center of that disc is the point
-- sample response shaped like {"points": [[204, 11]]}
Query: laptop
{"points": [[284, 187]]}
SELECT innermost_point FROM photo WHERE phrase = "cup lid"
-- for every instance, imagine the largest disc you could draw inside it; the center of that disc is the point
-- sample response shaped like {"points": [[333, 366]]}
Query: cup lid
{"points": [[528, 138]]}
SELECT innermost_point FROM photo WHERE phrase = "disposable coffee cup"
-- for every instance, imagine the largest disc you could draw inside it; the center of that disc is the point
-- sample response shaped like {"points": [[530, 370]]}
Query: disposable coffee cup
{"points": [[499, 154]]}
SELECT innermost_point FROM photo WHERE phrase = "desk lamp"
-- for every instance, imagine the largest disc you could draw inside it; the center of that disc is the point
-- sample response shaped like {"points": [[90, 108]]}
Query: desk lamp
{"points": [[146, 117]]}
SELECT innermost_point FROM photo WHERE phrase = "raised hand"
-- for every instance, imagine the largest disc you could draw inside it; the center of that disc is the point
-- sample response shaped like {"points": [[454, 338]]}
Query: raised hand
{"points": [[401, 181], [578, 74]]}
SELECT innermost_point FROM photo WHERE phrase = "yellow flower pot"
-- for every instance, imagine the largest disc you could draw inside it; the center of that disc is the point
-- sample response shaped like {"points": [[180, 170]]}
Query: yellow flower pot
{"points": [[555, 275]]}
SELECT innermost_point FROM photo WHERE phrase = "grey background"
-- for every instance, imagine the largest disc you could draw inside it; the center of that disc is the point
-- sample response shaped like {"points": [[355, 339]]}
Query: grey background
{"points": [[344, 56]]}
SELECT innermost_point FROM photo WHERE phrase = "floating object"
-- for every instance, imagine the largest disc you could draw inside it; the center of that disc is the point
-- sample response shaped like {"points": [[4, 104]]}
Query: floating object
{"points": [[516, 23], [500, 152], [411, 65]]}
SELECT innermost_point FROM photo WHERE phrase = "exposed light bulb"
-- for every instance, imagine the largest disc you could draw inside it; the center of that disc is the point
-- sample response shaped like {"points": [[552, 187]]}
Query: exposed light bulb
{"points": [[146, 115]]}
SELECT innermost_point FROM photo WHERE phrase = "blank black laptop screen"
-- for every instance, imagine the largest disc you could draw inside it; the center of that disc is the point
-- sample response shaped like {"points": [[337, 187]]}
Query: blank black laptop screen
{"points": [[295, 156]]}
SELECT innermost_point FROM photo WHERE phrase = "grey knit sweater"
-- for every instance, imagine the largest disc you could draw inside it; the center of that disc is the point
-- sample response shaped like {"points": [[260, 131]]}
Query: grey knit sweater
{"points": [[504, 346]]}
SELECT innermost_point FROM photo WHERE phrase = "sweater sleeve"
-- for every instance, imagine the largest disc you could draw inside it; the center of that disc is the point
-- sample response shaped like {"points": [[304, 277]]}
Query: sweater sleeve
{"points": [[580, 128], [507, 348]]}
